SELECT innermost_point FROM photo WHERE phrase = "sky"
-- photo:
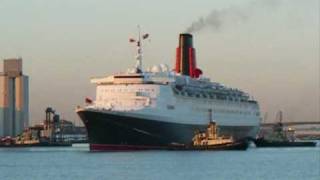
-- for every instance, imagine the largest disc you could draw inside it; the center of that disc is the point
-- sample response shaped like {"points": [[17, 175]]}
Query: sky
{"points": [[268, 48]]}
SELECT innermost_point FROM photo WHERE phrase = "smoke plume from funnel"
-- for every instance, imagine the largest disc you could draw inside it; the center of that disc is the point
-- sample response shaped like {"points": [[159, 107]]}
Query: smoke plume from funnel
{"points": [[217, 19]]}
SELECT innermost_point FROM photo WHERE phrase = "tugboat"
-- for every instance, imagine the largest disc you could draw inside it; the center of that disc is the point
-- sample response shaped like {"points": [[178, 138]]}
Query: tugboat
{"points": [[209, 140], [281, 138]]}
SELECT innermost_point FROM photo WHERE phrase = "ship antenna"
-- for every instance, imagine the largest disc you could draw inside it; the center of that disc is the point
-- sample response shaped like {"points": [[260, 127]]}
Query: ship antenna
{"points": [[139, 49]]}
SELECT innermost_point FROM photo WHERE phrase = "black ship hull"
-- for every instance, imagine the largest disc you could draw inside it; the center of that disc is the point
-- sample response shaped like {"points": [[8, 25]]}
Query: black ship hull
{"points": [[114, 132], [265, 143]]}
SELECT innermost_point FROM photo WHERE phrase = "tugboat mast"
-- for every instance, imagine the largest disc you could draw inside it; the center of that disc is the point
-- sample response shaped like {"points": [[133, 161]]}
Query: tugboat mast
{"points": [[210, 115]]}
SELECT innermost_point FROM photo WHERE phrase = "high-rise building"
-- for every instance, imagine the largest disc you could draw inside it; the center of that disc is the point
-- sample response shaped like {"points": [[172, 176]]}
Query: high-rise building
{"points": [[14, 98]]}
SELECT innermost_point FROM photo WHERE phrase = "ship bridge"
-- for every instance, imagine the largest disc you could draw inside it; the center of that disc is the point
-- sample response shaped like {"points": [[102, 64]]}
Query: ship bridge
{"points": [[136, 78]]}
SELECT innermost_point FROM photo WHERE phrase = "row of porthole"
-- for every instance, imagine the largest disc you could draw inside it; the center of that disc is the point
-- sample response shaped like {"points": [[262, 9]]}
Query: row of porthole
{"points": [[210, 96], [211, 102], [128, 90]]}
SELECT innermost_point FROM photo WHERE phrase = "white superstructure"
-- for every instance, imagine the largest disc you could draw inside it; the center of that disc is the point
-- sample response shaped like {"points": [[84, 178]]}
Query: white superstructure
{"points": [[170, 97]]}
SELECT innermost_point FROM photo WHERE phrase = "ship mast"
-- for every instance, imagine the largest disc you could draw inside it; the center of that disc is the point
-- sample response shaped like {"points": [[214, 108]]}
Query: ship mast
{"points": [[138, 42]]}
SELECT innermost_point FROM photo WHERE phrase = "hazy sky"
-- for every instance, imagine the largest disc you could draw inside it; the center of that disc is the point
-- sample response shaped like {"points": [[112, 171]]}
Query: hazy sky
{"points": [[267, 48]]}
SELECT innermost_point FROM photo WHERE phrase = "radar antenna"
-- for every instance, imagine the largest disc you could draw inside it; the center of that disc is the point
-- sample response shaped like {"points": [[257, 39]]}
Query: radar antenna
{"points": [[138, 42]]}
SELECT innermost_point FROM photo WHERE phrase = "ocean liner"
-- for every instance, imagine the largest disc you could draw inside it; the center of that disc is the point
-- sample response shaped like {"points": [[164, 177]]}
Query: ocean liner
{"points": [[157, 107]]}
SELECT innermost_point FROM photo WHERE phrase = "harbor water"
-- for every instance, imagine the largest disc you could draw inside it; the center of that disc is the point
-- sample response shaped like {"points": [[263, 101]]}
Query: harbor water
{"points": [[78, 163]]}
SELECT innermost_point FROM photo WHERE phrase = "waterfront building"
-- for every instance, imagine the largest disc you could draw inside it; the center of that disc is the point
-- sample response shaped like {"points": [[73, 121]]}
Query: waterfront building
{"points": [[14, 98]]}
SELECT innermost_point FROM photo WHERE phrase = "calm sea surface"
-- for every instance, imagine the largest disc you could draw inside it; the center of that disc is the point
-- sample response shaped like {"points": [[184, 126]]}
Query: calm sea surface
{"points": [[78, 163]]}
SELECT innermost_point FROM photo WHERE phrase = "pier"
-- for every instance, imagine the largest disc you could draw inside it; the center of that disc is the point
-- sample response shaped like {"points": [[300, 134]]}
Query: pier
{"points": [[303, 129]]}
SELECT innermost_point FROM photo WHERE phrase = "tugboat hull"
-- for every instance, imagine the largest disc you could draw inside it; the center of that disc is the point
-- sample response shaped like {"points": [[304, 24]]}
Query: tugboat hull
{"points": [[266, 143], [240, 145]]}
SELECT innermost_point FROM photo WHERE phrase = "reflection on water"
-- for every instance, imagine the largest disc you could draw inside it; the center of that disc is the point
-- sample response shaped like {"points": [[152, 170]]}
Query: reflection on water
{"points": [[75, 147], [78, 163]]}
